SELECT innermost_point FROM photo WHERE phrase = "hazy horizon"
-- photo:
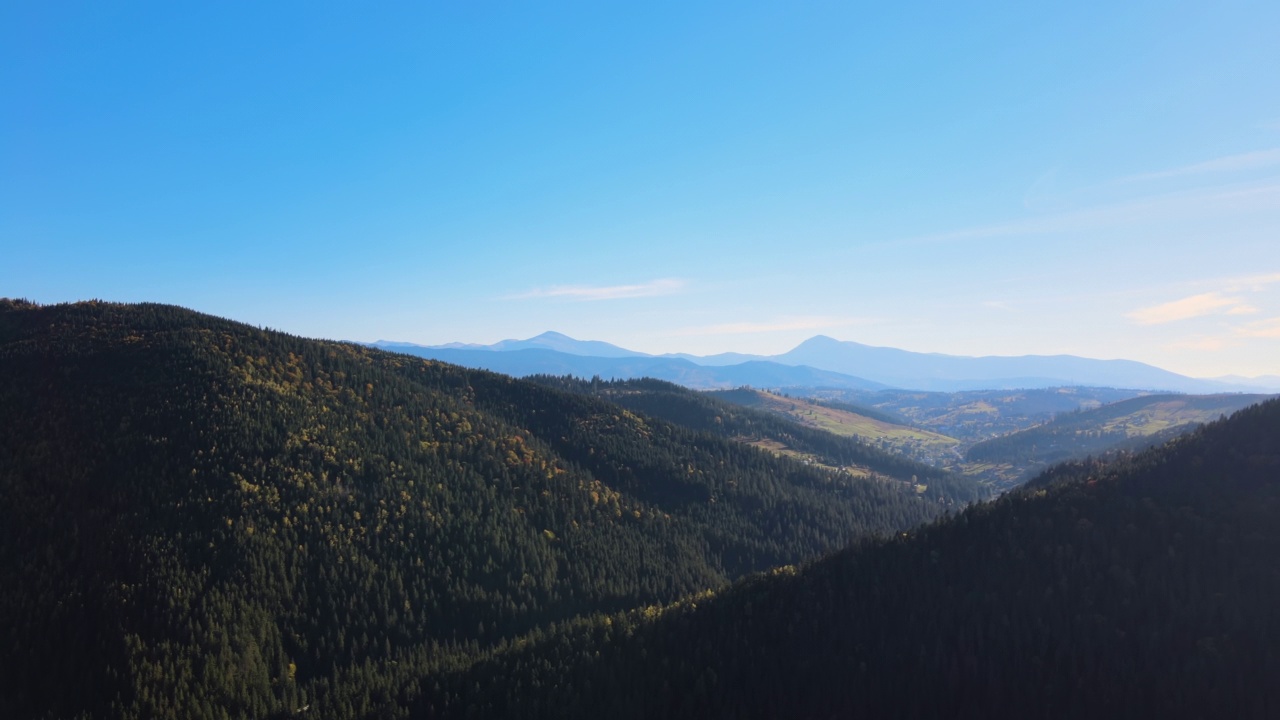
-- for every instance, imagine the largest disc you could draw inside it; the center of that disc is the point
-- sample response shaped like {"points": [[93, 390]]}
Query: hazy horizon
{"points": [[1090, 180]]}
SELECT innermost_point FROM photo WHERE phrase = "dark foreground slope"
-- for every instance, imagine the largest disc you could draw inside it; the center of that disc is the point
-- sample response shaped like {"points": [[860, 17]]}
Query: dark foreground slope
{"points": [[1143, 589], [203, 519]]}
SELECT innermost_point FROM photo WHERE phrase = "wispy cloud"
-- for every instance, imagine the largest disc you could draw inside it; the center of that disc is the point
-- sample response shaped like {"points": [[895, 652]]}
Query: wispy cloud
{"points": [[666, 286], [1204, 343], [1269, 328], [1233, 338], [751, 328], [1229, 163], [1252, 283], [1219, 187], [1242, 309], [1209, 303], [1231, 200]]}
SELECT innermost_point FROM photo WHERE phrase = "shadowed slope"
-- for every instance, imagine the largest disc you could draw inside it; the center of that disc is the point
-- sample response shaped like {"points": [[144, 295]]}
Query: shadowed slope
{"points": [[1146, 589]]}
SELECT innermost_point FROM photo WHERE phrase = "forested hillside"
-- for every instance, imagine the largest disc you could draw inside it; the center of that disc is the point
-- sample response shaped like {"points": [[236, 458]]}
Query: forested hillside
{"points": [[706, 412], [201, 519], [1145, 588]]}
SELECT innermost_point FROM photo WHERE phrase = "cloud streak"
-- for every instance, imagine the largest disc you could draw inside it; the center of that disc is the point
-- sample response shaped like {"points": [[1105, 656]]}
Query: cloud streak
{"points": [[1235, 337], [1252, 283], [1203, 344], [1210, 303], [665, 286], [1261, 329], [1221, 187], [1230, 163], [1185, 205]]}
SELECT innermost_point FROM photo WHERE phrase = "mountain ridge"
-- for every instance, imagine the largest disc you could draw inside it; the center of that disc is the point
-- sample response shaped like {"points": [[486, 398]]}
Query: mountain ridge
{"points": [[851, 364], [526, 362], [549, 340]]}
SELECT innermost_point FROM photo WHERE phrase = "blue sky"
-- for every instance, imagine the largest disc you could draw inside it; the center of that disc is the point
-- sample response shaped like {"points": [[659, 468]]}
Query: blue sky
{"points": [[1101, 179]]}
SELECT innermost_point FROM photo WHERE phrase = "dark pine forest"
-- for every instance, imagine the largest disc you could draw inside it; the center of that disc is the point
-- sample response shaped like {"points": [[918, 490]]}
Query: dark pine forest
{"points": [[206, 519]]}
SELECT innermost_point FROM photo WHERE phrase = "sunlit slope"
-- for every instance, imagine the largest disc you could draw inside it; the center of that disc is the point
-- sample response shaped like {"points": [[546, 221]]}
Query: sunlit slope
{"points": [[845, 421], [975, 415], [1093, 431]]}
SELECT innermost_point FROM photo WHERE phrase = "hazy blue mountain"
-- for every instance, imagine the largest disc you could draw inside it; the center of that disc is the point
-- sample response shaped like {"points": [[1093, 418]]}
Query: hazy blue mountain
{"points": [[934, 371], [718, 360], [542, 361], [762, 373], [1268, 383], [549, 340], [826, 362]]}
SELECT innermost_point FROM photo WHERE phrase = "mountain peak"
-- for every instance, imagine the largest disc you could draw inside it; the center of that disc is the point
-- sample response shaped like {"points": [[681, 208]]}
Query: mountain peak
{"points": [[552, 340], [817, 340], [552, 335], [828, 343]]}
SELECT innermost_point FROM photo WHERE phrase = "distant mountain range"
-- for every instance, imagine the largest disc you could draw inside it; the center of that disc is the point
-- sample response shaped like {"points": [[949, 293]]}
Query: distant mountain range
{"points": [[821, 361], [1262, 381], [536, 361], [555, 341]]}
